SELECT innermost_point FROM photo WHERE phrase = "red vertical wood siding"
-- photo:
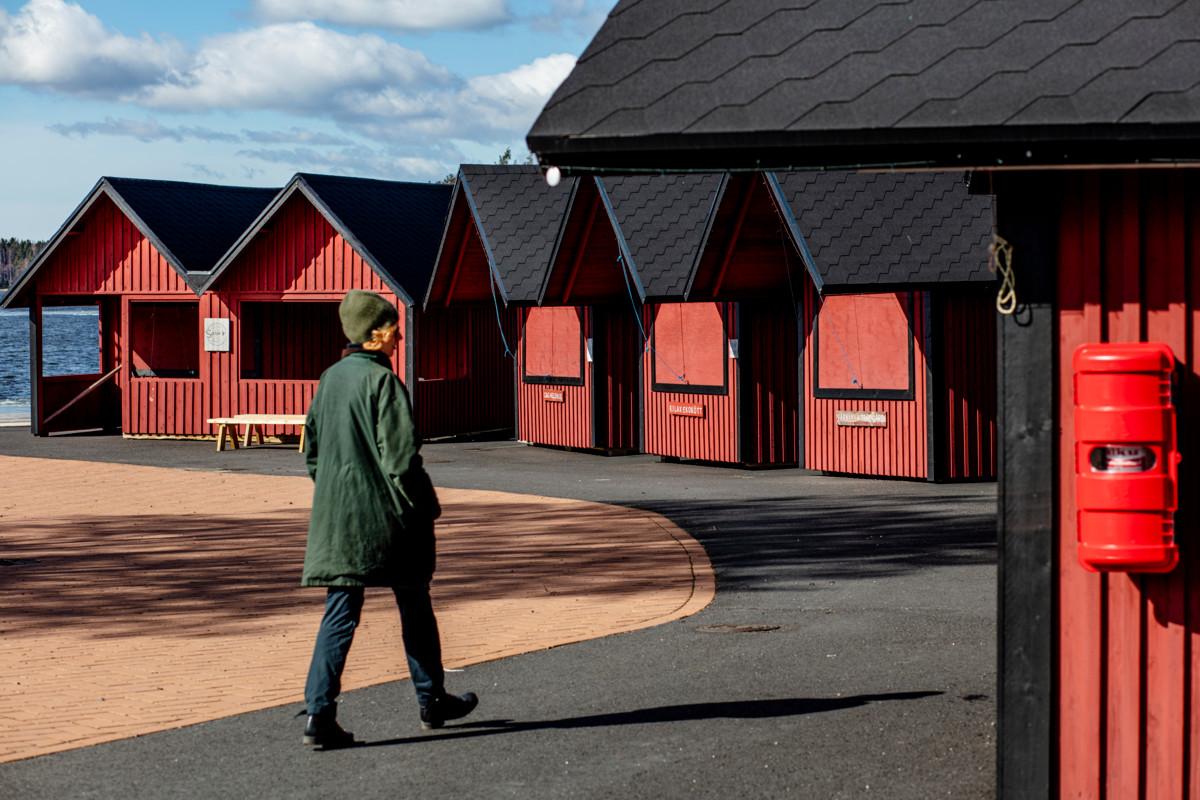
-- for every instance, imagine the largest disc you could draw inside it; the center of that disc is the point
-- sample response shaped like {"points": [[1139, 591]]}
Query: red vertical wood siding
{"points": [[560, 424], [467, 343], [713, 437], [898, 450], [1129, 645], [289, 341], [967, 339], [771, 388], [108, 255]]}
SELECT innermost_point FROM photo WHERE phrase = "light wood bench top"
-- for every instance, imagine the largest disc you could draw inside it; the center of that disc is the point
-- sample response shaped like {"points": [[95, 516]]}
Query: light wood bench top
{"points": [[253, 423], [269, 419]]}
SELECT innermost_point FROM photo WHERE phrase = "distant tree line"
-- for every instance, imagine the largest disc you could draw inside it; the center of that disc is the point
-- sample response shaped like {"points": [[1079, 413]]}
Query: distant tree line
{"points": [[15, 255]]}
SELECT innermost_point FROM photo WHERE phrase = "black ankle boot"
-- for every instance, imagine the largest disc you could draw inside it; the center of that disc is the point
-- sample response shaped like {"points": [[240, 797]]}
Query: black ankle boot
{"points": [[324, 732], [446, 707]]}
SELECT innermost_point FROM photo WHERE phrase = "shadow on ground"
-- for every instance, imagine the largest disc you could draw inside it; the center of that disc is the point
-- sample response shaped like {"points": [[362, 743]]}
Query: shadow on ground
{"points": [[744, 709]]}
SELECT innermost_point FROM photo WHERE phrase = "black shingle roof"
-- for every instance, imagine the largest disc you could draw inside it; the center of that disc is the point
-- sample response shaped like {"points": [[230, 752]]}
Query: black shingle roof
{"points": [[873, 229], [398, 223], [801, 82], [520, 218], [195, 222], [663, 220]]}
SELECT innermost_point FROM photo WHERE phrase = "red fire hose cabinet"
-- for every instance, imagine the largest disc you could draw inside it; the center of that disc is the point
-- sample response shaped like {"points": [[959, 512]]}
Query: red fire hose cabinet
{"points": [[1126, 457]]}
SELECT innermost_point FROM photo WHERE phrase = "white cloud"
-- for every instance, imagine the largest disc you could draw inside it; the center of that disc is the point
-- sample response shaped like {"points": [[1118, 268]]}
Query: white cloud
{"points": [[202, 171], [55, 44], [151, 130], [294, 67], [147, 130], [366, 84], [377, 88], [296, 136], [355, 160], [511, 100], [406, 15]]}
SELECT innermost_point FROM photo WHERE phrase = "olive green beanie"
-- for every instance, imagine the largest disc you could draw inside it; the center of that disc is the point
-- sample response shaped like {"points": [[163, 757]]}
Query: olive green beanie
{"points": [[362, 312]]}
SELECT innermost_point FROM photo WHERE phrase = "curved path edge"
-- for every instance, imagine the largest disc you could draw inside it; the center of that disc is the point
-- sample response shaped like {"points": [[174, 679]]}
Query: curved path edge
{"points": [[147, 598]]}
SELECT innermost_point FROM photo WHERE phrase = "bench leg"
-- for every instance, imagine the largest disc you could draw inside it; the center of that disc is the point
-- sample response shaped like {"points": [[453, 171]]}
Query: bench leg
{"points": [[302, 431], [224, 430], [246, 436]]}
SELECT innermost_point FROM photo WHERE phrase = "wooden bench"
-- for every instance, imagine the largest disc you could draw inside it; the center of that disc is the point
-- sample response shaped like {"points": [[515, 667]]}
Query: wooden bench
{"points": [[254, 424]]}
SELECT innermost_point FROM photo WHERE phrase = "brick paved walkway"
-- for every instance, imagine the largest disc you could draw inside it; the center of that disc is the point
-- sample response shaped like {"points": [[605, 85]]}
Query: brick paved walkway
{"points": [[137, 599]]}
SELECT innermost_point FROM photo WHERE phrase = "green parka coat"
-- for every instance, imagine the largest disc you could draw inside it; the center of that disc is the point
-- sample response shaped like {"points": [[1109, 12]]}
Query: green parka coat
{"points": [[373, 503]]}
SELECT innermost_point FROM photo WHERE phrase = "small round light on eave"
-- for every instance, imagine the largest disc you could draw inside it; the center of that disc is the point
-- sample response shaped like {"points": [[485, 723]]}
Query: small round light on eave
{"points": [[553, 176]]}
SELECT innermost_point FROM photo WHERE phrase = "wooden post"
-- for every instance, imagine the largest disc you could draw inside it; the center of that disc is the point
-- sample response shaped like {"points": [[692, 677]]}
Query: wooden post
{"points": [[1027, 216], [35, 364]]}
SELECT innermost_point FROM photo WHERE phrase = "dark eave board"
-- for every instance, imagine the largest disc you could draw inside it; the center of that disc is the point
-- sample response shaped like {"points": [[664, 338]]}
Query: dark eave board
{"points": [[888, 229], [773, 83], [663, 221], [519, 218]]}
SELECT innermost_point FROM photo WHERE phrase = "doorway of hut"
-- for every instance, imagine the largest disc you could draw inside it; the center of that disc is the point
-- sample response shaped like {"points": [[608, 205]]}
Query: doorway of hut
{"points": [[76, 359], [616, 348]]}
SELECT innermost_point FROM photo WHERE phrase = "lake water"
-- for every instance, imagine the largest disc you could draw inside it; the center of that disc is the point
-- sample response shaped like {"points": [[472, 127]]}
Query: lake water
{"points": [[70, 346]]}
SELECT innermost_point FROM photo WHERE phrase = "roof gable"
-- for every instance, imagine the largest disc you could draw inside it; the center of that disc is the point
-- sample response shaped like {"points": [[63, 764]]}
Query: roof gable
{"points": [[193, 224], [864, 230], [395, 226], [519, 218], [772, 83], [189, 224], [662, 222], [398, 223]]}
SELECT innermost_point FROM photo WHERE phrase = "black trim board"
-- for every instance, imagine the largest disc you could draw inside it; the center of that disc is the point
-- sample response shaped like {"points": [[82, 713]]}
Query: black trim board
{"points": [[935, 410], [1027, 355], [801, 343], [960, 147]]}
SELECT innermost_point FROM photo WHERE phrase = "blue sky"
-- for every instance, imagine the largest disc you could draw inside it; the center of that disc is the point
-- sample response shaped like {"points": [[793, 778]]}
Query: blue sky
{"points": [[250, 91]]}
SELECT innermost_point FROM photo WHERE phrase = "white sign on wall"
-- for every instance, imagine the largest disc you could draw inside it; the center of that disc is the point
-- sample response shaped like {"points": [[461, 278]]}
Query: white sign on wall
{"points": [[216, 335]]}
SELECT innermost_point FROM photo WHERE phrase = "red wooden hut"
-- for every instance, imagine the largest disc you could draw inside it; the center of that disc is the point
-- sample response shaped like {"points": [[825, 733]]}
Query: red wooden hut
{"points": [[137, 250], [590, 301], [741, 374], [899, 335], [280, 285], [1084, 120], [720, 377], [504, 227]]}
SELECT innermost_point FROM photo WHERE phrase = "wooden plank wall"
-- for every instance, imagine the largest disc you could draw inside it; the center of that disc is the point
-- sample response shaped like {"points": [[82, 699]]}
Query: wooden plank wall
{"points": [[713, 437], [1129, 663], [560, 424], [967, 341], [108, 255], [771, 390], [480, 397], [619, 361], [898, 450]]}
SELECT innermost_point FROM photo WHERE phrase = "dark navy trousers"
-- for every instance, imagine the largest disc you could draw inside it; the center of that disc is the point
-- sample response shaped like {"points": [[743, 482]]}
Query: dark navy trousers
{"points": [[343, 609]]}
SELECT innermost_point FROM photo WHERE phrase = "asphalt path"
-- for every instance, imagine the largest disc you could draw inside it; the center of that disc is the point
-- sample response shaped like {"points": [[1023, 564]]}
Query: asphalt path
{"points": [[850, 652]]}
